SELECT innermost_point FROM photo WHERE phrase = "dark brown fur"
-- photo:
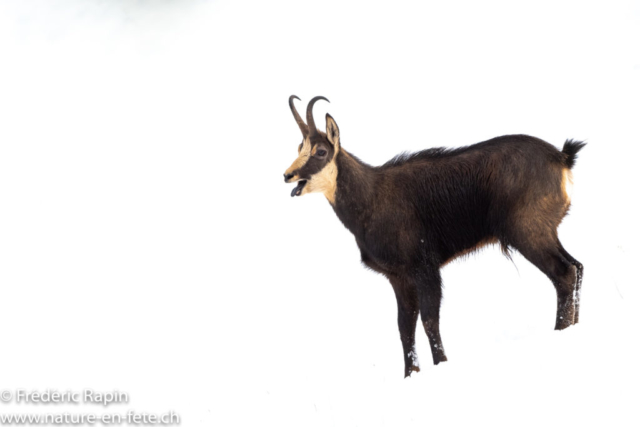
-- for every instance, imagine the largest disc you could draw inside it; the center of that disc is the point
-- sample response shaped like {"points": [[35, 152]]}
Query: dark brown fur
{"points": [[419, 211]]}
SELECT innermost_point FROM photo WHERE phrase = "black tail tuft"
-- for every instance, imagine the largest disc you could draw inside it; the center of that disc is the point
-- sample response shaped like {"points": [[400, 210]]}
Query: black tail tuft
{"points": [[571, 149]]}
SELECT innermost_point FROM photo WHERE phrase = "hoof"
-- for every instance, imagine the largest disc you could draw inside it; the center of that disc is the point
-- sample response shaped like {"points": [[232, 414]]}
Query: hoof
{"points": [[442, 358], [564, 323], [412, 370]]}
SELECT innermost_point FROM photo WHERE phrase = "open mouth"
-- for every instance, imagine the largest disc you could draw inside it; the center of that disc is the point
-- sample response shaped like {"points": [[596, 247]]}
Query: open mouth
{"points": [[298, 190]]}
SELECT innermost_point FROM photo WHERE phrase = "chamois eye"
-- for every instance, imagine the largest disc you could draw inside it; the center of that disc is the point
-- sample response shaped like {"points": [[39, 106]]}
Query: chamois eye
{"points": [[321, 153]]}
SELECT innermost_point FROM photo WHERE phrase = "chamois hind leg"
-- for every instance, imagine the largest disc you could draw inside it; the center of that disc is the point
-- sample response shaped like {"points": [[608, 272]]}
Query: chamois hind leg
{"points": [[547, 256], [429, 286], [407, 298], [579, 273]]}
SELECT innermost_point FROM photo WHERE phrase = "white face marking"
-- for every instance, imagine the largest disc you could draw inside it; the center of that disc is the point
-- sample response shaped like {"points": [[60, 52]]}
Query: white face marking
{"points": [[303, 157], [324, 182]]}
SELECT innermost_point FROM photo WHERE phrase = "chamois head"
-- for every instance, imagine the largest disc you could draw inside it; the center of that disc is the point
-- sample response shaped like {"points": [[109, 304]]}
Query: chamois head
{"points": [[315, 168]]}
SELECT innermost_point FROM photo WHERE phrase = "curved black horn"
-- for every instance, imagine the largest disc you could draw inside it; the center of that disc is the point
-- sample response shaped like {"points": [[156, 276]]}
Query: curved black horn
{"points": [[303, 126], [312, 125]]}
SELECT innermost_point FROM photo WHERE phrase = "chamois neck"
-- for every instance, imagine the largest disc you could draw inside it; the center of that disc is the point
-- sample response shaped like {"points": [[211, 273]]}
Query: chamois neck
{"points": [[355, 186]]}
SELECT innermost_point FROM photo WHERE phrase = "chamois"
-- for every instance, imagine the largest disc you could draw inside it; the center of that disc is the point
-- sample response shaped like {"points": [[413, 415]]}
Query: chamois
{"points": [[419, 211]]}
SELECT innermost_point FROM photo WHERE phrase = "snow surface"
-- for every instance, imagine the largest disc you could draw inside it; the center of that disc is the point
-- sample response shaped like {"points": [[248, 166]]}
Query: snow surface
{"points": [[149, 245]]}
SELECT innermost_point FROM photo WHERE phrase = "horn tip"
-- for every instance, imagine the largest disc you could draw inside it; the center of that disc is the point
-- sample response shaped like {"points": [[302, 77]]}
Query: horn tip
{"points": [[318, 98]]}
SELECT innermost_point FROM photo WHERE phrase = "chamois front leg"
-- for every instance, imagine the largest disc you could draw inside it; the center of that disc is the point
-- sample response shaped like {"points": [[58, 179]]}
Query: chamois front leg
{"points": [[408, 308], [429, 286]]}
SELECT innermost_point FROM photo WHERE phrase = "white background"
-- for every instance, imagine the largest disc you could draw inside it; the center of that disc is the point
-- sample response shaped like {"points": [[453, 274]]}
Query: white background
{"points": [[149, 245]]}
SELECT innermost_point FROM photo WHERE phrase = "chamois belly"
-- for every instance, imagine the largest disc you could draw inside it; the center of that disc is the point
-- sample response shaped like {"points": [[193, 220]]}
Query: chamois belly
{"points": [[490, 240]]}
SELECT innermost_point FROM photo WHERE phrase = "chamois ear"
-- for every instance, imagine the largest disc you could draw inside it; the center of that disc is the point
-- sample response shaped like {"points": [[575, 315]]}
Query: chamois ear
{"points": [[333, 133]]}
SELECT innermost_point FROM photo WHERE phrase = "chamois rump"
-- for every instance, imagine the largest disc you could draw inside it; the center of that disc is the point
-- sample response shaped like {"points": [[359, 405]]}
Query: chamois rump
{"points": [[419, 211]]}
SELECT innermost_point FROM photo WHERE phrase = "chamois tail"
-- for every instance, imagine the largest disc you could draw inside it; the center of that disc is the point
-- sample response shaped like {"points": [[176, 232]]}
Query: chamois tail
{"points": [[571, 149]]}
